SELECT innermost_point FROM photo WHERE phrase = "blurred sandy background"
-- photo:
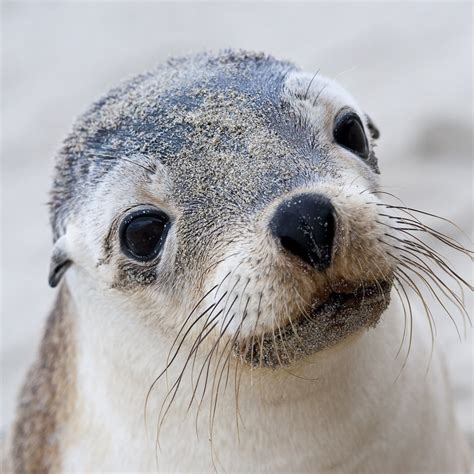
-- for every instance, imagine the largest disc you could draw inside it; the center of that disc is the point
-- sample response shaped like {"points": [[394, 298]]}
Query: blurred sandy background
{"points": [[409, 65]]}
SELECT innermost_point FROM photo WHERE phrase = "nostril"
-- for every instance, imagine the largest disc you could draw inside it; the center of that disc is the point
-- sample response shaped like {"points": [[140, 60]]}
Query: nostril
{"points": [[305, 226]]}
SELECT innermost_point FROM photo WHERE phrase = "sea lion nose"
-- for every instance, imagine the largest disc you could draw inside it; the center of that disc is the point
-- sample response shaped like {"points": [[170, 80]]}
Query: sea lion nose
{"points": [[305, 226]]}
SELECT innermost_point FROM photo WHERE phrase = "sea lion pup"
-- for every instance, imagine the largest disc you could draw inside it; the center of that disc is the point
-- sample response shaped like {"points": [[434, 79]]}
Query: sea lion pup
{"points": [[224, 259]]}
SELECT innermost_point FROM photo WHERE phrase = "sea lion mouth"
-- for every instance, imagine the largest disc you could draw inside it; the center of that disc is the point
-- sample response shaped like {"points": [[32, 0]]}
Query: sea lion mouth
{"points": [[327, 323]]}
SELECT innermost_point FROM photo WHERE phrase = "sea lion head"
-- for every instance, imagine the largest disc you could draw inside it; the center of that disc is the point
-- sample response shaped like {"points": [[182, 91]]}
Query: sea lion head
{"points": [[228, 197]]}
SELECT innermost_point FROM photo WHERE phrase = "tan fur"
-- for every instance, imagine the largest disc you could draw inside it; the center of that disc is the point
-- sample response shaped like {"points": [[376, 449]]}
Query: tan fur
{"points": [[47, 396]]}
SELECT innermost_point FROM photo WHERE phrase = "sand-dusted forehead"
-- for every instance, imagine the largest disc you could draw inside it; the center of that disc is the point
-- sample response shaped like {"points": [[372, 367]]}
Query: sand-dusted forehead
{"points": [[219, 125]]}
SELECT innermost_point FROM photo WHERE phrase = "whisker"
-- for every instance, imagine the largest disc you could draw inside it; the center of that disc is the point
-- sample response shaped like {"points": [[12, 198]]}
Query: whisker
{"points": [[168, 364], [305, 97], [421, 247], [418, 211], [428, 313]]}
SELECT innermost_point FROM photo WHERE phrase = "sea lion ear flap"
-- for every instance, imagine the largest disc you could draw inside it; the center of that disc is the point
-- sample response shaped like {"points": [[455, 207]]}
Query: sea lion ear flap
{"points": [[60, 262], [374, 131]]}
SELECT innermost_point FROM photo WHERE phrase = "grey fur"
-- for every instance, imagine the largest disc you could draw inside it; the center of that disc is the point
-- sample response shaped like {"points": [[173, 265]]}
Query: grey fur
{"points": [[219, 123]]}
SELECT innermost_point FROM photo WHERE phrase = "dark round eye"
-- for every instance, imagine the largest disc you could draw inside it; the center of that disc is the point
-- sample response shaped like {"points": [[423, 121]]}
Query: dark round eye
{"points": [[349, 133], [143, 232]]}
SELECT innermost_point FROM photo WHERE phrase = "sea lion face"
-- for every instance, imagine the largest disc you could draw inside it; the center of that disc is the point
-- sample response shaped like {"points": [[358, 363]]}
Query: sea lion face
{"points": [[236, 192]]}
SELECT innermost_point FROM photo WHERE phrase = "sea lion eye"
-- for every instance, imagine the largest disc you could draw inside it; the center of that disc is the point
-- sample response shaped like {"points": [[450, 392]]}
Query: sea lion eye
{"points": [[349, 133], [142, 233]]}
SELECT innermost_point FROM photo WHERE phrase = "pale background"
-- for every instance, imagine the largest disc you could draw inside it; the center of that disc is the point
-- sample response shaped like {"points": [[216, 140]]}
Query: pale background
{"points": [[409, 65]]}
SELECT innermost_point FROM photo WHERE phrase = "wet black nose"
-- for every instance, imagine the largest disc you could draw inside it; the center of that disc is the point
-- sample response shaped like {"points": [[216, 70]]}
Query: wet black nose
{"points": [[305, 225]]}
